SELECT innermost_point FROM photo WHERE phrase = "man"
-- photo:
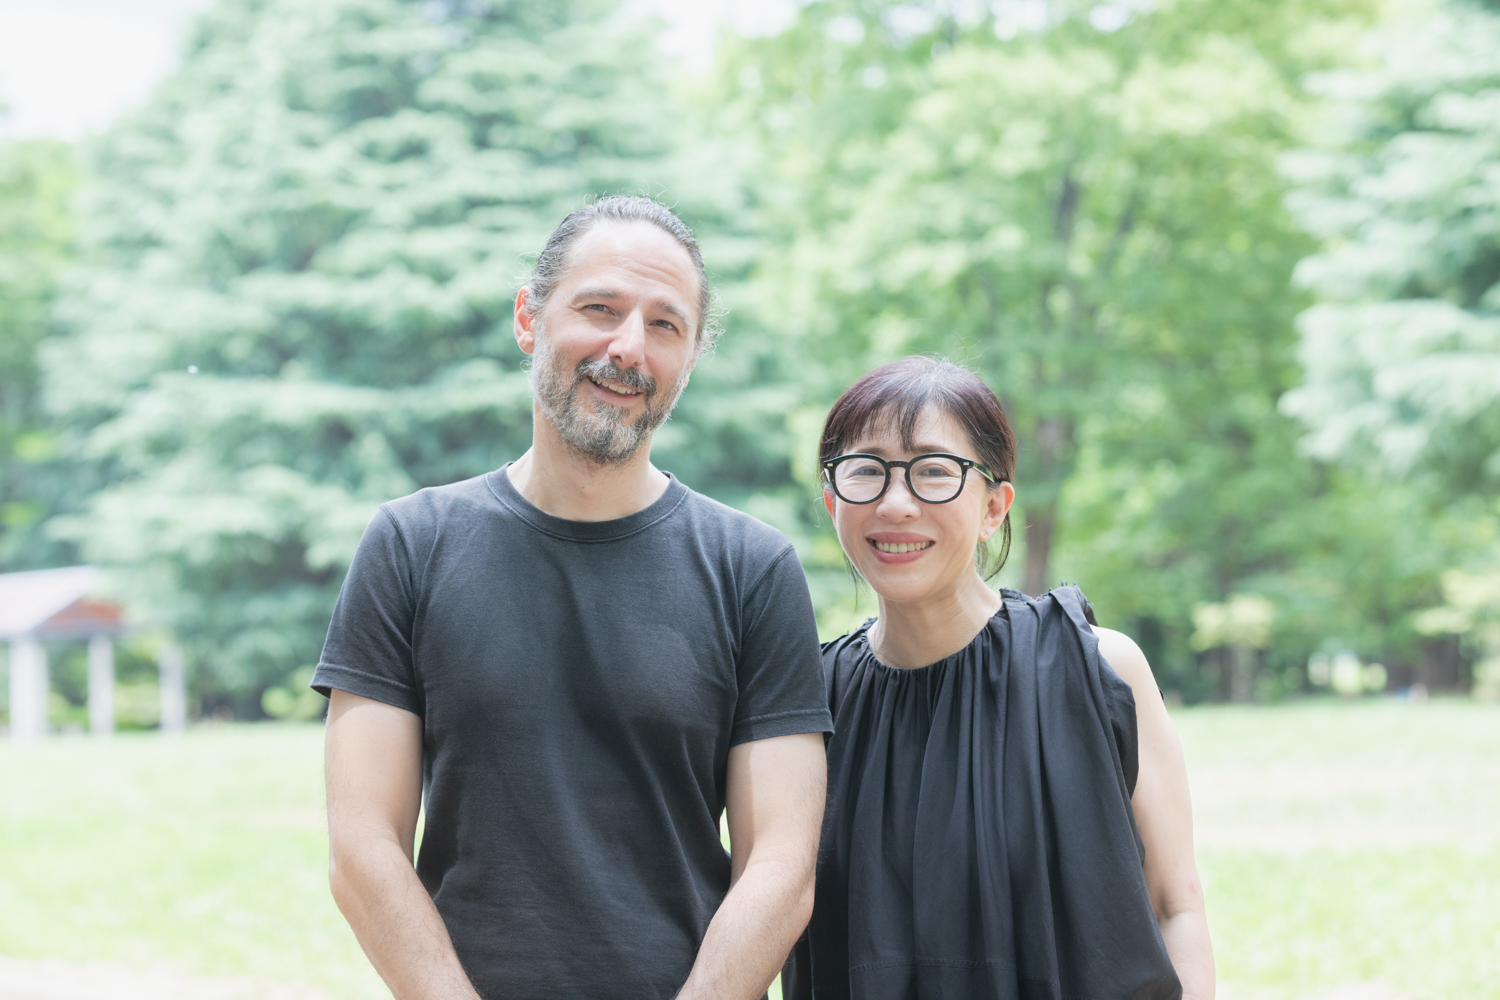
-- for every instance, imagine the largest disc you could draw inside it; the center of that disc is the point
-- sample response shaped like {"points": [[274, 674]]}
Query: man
{"points": [[576, 663]]}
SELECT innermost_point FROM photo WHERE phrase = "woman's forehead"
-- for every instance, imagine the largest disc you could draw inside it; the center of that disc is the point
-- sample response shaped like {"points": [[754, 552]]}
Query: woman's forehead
{"points": [[933, 430]]}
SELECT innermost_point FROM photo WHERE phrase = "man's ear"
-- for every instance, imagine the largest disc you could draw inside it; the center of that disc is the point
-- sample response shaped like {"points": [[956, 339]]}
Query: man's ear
{"points": [[523, 324]]}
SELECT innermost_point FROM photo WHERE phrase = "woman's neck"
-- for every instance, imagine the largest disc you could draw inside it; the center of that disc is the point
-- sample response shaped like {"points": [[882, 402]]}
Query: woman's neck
{"points": [[912, 634]]}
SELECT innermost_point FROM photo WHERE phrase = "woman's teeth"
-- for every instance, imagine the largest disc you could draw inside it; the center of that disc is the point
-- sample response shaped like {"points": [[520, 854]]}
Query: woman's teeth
{"points": [[895, 548]]}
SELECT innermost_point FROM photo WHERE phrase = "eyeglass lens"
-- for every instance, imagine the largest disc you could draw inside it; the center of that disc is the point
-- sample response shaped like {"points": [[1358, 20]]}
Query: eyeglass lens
{"points": [[931, 478]]}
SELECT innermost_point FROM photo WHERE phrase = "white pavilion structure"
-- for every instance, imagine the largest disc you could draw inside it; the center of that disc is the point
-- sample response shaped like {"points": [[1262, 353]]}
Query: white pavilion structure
{"points": [[50, 605]]}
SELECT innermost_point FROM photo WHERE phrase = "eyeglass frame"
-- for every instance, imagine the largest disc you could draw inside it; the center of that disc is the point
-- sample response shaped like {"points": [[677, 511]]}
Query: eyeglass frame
{"points": [[964, 464]]}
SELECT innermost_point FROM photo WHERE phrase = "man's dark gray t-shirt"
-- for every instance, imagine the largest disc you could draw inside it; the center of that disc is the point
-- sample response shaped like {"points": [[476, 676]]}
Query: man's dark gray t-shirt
{"points": [[580, 685]]}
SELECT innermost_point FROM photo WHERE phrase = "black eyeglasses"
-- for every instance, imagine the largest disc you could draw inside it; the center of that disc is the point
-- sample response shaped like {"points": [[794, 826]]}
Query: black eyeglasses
{"points": [[936, 477]]}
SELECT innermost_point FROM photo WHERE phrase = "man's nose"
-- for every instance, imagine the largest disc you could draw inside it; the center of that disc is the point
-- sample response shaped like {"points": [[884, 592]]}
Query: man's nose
{"points": [[627, 348]]}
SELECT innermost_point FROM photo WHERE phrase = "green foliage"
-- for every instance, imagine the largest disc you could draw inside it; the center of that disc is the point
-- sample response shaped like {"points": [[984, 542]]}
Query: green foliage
{"points": [[36, 235], [294, 701], [296, 267], [295, 304], [1403, 352], [1094, 219], [1086, 215]]}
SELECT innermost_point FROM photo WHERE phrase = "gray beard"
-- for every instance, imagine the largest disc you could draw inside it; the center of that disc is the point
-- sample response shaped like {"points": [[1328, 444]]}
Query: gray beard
{"points": [[597, 431]]}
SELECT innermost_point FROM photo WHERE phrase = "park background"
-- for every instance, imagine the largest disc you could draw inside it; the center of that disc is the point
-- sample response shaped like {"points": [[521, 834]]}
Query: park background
{"points": [[1233, 268]]}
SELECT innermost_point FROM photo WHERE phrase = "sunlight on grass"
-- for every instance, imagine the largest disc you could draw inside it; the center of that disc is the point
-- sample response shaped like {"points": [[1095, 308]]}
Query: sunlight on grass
{"points": [[1339, 843], [1345, 843], [206, 852]]}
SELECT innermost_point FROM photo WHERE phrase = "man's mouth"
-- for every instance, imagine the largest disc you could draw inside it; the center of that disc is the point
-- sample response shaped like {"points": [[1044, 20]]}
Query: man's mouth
{"points": [[614, 388], [896, 548]]}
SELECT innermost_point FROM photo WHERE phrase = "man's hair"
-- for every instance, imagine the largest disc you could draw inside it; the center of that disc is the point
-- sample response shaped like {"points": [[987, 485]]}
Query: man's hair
{"points": [[553, 262]]}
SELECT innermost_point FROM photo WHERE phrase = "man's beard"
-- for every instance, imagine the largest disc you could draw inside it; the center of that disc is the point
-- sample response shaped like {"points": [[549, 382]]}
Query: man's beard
{"points": [[598, 431]]}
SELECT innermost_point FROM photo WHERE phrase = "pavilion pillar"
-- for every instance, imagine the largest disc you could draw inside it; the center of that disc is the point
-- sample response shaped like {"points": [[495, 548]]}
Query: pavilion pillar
{"points": [[173, 679], [28, 689], [101, 685]]}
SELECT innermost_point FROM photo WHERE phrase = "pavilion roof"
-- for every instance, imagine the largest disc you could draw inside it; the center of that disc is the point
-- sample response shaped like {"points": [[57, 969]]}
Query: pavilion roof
{"points": [[55, 604]]}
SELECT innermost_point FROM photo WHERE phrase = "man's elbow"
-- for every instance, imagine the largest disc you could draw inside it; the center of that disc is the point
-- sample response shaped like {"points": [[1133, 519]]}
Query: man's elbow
{"points": [[802, 906], [345, 870]]}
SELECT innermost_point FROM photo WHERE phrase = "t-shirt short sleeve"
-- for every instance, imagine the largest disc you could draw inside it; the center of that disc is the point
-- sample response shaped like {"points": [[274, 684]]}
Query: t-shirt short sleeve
{"points": [[369, 647], [780, 676]]}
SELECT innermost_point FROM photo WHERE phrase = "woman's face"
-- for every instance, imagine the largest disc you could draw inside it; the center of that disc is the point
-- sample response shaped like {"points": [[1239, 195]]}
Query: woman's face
{"points": [[909, 550]]}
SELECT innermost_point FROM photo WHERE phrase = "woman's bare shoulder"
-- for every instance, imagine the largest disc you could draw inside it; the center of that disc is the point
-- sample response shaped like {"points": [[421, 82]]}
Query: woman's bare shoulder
{"points": [[1126, 658]]}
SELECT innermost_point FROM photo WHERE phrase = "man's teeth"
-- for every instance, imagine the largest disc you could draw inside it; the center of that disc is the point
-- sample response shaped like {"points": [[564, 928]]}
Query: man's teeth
{"points": [[899, 547], [617, 390]]}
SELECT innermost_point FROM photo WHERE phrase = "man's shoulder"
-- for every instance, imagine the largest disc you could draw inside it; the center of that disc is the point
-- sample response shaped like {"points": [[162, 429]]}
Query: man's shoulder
{"points": [[432, 505], [739, 533]]}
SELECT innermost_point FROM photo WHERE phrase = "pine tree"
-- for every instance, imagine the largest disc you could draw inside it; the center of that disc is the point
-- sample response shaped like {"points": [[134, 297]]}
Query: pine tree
{"points": [[301, 257]]}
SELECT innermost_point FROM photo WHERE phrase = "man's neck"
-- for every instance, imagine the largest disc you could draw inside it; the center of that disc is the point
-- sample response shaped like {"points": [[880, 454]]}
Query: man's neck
{"points": [[557, 480]]}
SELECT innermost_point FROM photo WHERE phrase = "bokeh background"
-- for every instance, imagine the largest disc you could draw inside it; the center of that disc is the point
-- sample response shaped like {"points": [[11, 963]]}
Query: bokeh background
{"points": [[1233, 266]]}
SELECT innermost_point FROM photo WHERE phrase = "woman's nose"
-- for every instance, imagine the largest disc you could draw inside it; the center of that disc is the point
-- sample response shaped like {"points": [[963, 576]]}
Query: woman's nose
{"points": [[898, 502]]}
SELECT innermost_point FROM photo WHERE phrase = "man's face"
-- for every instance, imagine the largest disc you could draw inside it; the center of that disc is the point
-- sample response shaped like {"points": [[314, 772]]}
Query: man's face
{"points": [[616, 339]]}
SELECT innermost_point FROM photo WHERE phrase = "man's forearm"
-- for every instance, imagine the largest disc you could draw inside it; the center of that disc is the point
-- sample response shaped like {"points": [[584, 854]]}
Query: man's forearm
{"points": [[752, 933], [1187, 941], [396, 923]]}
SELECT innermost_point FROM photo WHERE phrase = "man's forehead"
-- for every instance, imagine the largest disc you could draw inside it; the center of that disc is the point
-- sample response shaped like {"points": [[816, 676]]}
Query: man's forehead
{"points": [[632, 246]]}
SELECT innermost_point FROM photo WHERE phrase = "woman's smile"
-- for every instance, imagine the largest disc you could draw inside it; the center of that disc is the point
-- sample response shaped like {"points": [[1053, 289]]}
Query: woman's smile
{"points": [[896, 547]]}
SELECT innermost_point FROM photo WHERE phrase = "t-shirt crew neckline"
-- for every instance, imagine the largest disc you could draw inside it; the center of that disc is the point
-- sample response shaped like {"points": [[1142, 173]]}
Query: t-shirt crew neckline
{"points": [[585, 531]]}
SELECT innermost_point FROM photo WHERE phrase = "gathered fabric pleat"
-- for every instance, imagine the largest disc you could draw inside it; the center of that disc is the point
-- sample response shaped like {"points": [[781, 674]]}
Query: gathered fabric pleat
{"points": [[979, 840]]}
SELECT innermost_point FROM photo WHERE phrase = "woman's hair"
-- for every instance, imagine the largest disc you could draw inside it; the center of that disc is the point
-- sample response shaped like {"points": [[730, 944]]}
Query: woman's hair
{"points": [[896, 393]]}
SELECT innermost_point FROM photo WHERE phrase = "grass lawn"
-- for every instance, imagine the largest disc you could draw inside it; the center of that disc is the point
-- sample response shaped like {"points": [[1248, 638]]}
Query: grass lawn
{"points": [[205, 853], [1340, 844], [1350, 844]]}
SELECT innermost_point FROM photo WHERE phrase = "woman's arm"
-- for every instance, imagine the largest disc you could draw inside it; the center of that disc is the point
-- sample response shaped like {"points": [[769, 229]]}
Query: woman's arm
{"points": [[1164, 814]]}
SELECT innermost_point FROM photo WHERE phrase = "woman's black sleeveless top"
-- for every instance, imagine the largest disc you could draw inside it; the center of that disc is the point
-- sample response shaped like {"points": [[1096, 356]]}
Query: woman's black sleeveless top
{"points": [[979, 840]]}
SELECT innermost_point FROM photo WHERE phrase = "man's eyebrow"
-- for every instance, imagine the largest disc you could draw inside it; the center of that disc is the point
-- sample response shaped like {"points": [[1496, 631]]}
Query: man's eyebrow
{"points": [[595, 293], [611, 294], [670, 309]]}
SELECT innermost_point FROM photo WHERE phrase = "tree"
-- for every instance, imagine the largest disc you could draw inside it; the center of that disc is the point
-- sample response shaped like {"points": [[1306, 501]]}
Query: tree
{"points": [[300, 258], [1086, 208], [36, 235], [1402, 352]]}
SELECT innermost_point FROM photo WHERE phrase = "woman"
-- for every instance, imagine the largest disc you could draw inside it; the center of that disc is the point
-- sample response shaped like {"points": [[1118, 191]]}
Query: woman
{"points": [[986, 834]]}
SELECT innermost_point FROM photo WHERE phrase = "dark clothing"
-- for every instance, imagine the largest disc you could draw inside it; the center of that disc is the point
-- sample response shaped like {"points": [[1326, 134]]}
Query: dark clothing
{"points": [[580, 685], [979, 840]]}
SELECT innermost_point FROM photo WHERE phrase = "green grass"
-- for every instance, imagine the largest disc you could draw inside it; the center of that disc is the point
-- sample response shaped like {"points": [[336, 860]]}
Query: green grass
{"points": [[1350, 843], [1339, 843], [205, 852]]}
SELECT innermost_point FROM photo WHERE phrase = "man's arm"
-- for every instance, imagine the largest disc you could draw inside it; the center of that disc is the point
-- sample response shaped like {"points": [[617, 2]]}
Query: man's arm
{"points": [[373, 768], [774, 805], [1164, 815]]}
